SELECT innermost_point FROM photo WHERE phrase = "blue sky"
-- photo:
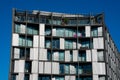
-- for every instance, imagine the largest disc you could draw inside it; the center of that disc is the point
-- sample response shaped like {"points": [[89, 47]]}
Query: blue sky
{"points": [[109, 7]]}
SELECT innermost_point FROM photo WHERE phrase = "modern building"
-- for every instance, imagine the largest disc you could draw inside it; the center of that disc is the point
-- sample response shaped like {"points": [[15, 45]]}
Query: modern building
{"points": [[59, 46]]}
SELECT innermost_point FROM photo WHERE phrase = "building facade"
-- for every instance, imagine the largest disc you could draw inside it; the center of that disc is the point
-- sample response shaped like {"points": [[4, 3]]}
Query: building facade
{"points": [[58, 46]]}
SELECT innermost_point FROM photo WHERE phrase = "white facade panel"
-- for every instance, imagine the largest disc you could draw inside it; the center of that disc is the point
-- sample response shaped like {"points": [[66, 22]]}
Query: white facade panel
{"points": [[31, 53], [70, 78], [22, 28], [34, 77], [67, 56], [87, 31], [15, 40], [101, 43], [34, 66], [95, 43], [55, 68], [47, 68], [41, 67], [100, 31], [21, 76], [67, 77], [41, 29], [35, 41], [53, 78], [17, 77], [16, 53], [43, 54], [16, 67], [95, 67], [95, 77], [34, 53], [88, 55], [94, 55], [42, 41], [62, 42], [54, 32], [102, 69], [72, 69], [22, 65], [75, 55]]}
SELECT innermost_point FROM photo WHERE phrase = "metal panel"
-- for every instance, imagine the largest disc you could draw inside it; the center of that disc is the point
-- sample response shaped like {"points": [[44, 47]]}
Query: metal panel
{"points": [[101, 43], [41, 29], [22, 65], [88, 55], [42, 41], [15, 40], [67, 55], [95, 67], [95, 43], [62, 41], [41, 67], [99, 31], [94, 55], [55, 68], [35, 41], [47, 68], [95, 77], [34, 76], [43, 54], [75, 55], [22, 28], [16, 67], [34, 66], [21, 76], [102, 69], [16, 53], [87, 31], [34, 53]]}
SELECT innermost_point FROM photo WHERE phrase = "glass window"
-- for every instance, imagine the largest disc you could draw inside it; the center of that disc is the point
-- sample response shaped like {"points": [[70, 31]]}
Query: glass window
{"points": [[56, 44], [72, 22], [13, 77], [67, 69], [32, 29], [28, 53], [100, 56], [49, 55], [84, 21], [20, 18], [22, 53], [61, 56], [48, 32], [27, 66], [26, 77], [47, 43], [94, 32], [60, 32], [44, 78], [62, 68], [82, 56], [22, 40], [29, 42], [85, 44], [59, 78], [101, 77]]}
